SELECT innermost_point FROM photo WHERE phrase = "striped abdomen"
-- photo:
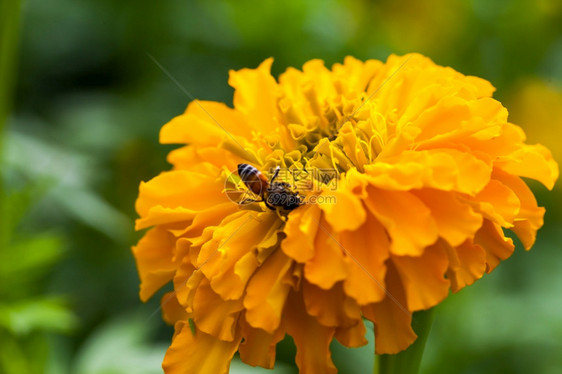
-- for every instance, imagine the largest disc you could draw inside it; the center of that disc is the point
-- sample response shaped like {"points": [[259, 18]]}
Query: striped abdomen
{"points": [[253, 179]]}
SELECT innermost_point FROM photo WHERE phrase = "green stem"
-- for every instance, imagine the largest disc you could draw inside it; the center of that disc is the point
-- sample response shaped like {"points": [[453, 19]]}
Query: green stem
{"points": [[408, 361]]}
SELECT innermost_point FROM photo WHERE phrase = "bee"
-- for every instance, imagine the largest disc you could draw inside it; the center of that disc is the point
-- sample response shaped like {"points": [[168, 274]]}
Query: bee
{"points": [[273, 194]]}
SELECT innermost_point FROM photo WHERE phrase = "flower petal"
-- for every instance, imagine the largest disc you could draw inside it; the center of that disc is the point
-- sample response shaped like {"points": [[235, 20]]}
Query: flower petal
{"points": [[230, 258], [393, 330], [368, 248], [172, 311], [423, 277], [530, 216], [446, 116], [204, 123], [467, 263], [186, 281], [456, 221], [203, 220], [329, 255], [497, 246], [353, 336], [179, 188], [407, 220], [203, 160], [158, 215], [267, 292], [330, 307], [444, 169], [497, 203], [255, 95], [154, 255], [347, 212], [531, 161], [311, 338], [198, 353], [214, 315], [258, 346], [301, 230]]}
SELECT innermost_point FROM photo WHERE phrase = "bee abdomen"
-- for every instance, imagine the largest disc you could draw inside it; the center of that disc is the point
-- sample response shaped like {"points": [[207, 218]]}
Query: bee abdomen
{"points": [[252, 178]]}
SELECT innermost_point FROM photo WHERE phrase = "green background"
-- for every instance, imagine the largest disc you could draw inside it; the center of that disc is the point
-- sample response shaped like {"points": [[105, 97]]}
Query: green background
{"points": [[83, 104]]}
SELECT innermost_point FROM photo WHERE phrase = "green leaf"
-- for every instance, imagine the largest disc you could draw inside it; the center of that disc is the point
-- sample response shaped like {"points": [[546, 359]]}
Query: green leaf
{"points": [[23, 263], [120, 347], [30, 254], [14, 205], [45, 314], [12, 357], [68, 173]]}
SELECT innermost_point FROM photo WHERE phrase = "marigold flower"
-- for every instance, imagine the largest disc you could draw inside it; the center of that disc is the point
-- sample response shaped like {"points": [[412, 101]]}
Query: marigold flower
{"points": [[428, 173]]}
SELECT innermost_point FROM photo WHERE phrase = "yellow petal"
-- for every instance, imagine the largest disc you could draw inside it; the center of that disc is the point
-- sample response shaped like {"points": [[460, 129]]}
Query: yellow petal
{"points": [[368, 247], [329, 255], [345, 210], [443, 169], [258, 346], [483, 88], [203, 160], [230, 258], [353, 336], [154, 255], [347, 213], [204, 123], [495, 139], [301, 230], [186, 281], [446, 116], [497, 203], [392, 319], [172, 311], [356, 74], [497, 246], [214, 315], [267, 292], [180, 189], [352, 146], [198, 353], [255, 95], [457, 121], [202, 220], [530, 216], [311, 338], [330, 307], [158, 215], [423, 277], [467, 263], [531, 161], [456, 221], [318, 77], [408, 221]]}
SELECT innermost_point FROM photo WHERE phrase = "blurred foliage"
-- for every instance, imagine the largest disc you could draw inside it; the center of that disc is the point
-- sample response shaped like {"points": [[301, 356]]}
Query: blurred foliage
{"points": [[88, 106]]}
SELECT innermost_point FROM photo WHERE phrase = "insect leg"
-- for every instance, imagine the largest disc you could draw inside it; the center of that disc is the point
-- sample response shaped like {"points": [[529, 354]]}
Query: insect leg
{"points": [[275, 174]]}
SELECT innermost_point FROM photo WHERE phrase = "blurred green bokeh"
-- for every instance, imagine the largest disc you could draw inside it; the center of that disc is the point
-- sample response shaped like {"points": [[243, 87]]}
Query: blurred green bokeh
{"points": [[88, 104]]}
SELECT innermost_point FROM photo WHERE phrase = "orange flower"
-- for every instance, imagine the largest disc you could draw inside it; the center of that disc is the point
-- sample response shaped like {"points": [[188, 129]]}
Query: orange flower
{"points": [[427, 175]]}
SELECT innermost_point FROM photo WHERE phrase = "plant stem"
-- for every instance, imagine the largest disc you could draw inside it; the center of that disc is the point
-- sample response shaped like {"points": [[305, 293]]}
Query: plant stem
{"points": [[407, 361]]}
